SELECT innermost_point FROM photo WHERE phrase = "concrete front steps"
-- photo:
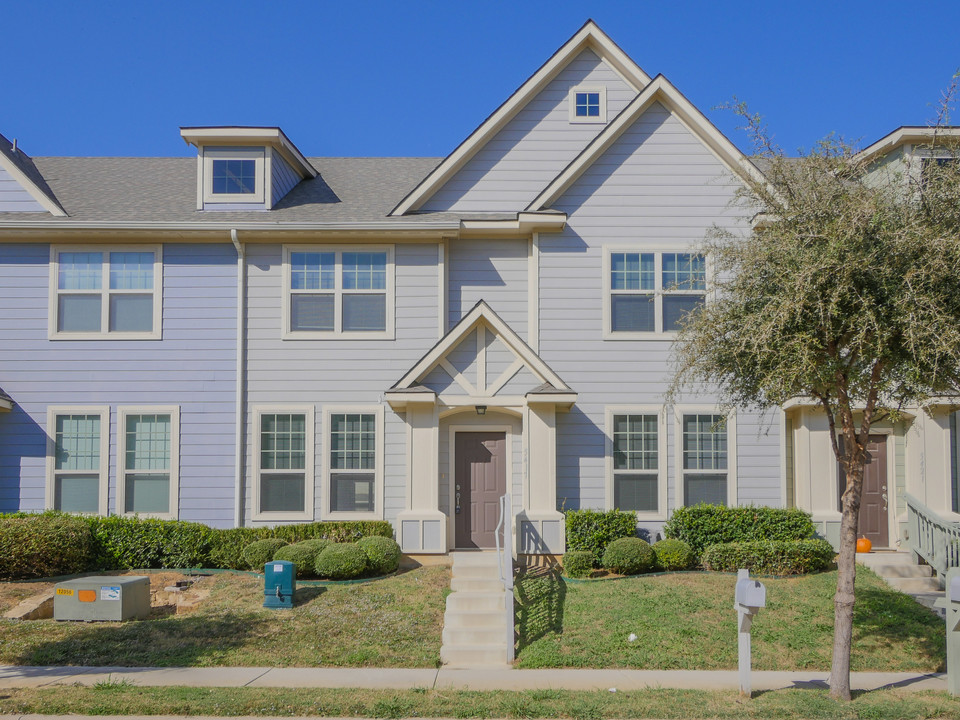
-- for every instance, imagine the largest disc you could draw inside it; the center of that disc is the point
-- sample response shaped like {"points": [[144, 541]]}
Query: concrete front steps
{"points": [[475, 621], [901, 571]]}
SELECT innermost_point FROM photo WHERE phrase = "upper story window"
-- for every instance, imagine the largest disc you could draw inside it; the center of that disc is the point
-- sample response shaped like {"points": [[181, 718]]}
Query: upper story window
{"points": [[649, 293], [338, 292], [588, 105], [97, 293], [233, 175]]}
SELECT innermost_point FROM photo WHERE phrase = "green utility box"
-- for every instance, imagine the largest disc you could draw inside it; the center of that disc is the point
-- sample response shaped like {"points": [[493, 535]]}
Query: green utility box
{"points": [[279, 584], [100, 598]]}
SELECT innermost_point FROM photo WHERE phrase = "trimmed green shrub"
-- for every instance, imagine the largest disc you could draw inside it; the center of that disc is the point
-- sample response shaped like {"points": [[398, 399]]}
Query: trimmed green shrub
{"points": [[578, 563], [341, 561], [701, 526], [338, 531], [226, 546], [383, 554], [592, 530], [46, 545], [127, 543], [778, 557], [303, 555], [629, 556], [674, 554], [259, 553], [318, 544]]}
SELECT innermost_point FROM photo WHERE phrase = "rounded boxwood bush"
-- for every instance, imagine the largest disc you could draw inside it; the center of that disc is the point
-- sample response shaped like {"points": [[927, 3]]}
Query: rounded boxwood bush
{"points": [[259, 553], [341, 561], [383, 554], [674, 554], [36, 546], [578, 563], [629, 556], [302, 555], [318, 544]]}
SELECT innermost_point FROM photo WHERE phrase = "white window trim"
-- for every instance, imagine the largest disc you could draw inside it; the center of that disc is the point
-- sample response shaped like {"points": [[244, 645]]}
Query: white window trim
{"points": [[680, 484], [325, 512], [209, 154], [658, 252], [174, 412], [338, 333], [104, 412], [309, 469], [104, 292], [662, 456], [601, 119]]}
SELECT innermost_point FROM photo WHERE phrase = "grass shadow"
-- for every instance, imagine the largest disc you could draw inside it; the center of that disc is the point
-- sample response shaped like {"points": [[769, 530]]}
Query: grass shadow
{"points": [[307, 594], [893, 617], [195, 639], [541, 593]]}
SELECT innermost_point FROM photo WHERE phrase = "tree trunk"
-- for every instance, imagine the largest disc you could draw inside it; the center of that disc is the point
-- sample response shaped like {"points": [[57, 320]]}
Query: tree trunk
{"points": [[846, 575]]}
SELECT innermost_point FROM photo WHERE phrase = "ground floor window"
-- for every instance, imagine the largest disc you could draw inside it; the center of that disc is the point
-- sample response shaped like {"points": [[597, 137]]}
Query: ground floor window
{"points": [[636, 460], [77, 459], [354, 454], [284, 452], [704, 453], [149, 460]]}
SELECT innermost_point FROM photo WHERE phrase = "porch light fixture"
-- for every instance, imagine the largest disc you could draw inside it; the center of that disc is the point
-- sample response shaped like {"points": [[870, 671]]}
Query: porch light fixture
{"points": [[481, 409]]}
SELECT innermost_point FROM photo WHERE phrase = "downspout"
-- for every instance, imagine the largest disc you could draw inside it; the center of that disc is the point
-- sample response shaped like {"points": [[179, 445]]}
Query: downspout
{"points": [[241, 384]]}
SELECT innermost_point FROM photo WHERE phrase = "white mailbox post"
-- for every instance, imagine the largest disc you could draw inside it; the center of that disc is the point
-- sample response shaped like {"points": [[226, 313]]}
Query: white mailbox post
{"points": [[749, 597], [951, 604]]}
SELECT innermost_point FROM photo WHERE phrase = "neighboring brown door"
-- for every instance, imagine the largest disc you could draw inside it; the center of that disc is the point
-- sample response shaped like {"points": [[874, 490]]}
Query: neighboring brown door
{"points": [[480, 478], [873, 498]]}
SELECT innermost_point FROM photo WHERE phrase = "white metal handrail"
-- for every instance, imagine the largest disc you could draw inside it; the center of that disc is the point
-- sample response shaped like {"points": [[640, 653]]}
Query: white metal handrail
{"points": [[505, 565]]}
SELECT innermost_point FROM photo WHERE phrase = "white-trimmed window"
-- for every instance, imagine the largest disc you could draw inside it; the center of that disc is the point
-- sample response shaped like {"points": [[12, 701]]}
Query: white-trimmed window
{"points": [[283, 457], [101, 293], [338, 292], [353, 462], [588, 104], [649, 293], [637, 460], [706, 457], [233, 175], [148, 461], [78, 446]]}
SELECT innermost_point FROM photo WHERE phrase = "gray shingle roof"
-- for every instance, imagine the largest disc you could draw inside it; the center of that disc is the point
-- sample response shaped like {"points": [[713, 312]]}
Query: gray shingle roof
{"points": [[26, 165]]}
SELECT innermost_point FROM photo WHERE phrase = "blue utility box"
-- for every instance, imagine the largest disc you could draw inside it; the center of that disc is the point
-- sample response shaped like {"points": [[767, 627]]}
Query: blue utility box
{"points": [[279, 584]]}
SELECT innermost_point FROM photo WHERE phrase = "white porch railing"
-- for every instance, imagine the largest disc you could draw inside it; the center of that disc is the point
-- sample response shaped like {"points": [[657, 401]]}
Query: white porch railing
{"points": [[505, 564], [932, 538]]}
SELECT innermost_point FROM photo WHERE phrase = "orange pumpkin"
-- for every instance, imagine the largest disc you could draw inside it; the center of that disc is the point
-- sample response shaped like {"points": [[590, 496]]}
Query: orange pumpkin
{"points": [[864, 545]]}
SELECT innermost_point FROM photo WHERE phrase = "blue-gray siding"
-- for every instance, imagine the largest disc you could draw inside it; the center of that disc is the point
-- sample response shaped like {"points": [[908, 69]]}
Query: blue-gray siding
{"points": [[192, 366], [340, 372], [491, 270], [14, 198], [656, 185], [284, 178], [533, 147]]}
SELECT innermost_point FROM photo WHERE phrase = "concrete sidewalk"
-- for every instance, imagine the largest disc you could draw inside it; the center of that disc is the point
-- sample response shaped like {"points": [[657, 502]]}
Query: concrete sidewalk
{"points": [[452, 678]]}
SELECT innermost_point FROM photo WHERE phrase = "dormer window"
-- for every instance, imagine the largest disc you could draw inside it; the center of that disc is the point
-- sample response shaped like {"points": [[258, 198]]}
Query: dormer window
{"points": [[233, 174], [588, 105]]}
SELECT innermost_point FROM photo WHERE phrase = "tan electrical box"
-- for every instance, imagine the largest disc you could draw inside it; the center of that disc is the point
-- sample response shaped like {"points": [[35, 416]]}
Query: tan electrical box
{"points": [[101, 598]]}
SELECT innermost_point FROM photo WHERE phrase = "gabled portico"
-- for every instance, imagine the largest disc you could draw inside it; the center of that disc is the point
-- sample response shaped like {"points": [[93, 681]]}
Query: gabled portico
{"points": [[480, 409]]}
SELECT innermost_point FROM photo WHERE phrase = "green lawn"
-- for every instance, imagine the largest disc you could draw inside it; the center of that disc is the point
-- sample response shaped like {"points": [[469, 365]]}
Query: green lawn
{"points": [[421, 702], [392, 622], [687, 621]]}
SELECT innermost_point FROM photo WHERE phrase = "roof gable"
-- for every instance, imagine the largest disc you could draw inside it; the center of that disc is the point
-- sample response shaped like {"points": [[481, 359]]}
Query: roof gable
{"points": [[497, 355], [660, 90], [20, 168], [590, 36]]}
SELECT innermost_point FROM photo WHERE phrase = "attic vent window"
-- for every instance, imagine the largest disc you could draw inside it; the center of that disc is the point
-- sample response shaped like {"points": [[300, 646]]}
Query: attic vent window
{"points": [[234, 177], [588, 105]]}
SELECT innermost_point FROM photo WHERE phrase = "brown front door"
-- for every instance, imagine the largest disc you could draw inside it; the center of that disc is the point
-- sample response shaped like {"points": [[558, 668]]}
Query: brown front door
{"points": [[480, 479], [873, 498]]}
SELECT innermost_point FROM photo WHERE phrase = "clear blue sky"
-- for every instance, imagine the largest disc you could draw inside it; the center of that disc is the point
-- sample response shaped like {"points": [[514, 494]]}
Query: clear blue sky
{"points": [[415, 78]]}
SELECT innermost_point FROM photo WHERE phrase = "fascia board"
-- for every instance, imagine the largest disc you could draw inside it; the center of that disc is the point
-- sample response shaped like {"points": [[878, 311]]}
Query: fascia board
{"points": [[659, 90], [900, 136], [588, 36], [332, 226], [50, 205], [273, 136]]}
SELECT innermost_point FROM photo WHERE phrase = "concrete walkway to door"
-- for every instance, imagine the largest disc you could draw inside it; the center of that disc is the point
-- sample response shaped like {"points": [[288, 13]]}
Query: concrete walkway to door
{"points": [[452, 678]]}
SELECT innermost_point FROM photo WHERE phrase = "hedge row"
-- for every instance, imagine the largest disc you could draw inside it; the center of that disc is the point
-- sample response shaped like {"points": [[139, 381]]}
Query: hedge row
{"points": [[701, 526], [777, 557], [631, 556], [48, 544]]}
